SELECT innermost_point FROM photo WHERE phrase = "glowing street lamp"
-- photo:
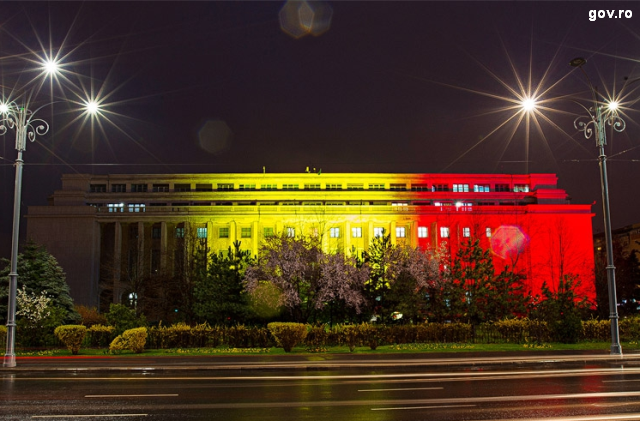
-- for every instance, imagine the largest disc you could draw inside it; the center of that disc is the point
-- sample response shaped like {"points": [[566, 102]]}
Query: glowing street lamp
{"points": [[25, 124], [596, 120]]}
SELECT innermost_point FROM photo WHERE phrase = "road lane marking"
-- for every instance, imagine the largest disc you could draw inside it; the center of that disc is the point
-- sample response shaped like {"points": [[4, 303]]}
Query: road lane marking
{"points": [[422, 407], [603, 417], [90, 416], [403, 388], [150, 395]]}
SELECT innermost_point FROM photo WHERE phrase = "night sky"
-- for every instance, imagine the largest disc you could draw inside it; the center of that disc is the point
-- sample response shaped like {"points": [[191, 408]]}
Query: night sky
{"points": [[425, 87]]}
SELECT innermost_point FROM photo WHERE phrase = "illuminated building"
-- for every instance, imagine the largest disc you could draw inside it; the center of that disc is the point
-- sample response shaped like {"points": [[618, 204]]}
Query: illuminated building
{"points": [[141, 222]]}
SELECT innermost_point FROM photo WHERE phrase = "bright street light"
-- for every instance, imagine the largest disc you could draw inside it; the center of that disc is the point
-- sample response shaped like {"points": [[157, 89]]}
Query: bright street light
{"points": [[598, 117], [528, 104]]}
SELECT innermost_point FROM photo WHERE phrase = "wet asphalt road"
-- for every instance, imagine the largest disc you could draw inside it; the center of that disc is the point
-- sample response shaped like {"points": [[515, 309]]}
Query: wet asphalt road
{"points": [[551, 391]]}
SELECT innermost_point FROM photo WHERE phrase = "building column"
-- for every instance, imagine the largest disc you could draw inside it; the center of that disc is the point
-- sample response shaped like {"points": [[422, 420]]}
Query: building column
{"points": [[347, 238], [163, 247], [141, 258], [392, 228], [254, 238], [117, 262], [233, 232]]}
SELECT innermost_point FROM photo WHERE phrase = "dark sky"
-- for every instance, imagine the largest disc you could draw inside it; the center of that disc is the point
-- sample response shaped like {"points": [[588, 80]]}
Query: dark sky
{"points": [[388, 87]]}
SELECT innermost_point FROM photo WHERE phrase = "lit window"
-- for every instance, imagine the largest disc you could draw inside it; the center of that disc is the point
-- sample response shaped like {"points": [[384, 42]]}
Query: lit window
{"points": [[223, 232], [334, 232], [354, 186], [397, 186], [521, 188], [444, 232], [378, 232], [461, 188], [356, 232], [376, 186], [202, 232], [423, 232], [115, 207], [399, 204], [312, 186], [179, 232], [136, 207], [481, 188], [401, 232], [466, 232], [268, 231], [291, 232], [225, 186], [247, 187], [245, 232], [268, 187], [488, 232]]}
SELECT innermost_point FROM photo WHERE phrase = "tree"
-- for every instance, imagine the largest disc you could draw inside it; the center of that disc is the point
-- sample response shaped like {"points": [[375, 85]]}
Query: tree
{"points": [[474, 292], [219, 297], [39, 273]]}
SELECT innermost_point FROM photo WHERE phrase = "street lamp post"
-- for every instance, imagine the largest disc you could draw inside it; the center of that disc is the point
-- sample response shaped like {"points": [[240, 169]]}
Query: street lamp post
{"points": [[23, 122], [589, 124]]}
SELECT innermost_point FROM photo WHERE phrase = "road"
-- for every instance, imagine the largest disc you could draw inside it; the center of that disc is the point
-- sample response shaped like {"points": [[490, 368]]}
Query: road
{"points": [[586, 393]]}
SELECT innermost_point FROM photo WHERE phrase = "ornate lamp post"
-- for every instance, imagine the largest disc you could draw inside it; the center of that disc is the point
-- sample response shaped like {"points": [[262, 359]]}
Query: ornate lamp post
{"points": [[16, 115], [23, 122], [596, 120]]}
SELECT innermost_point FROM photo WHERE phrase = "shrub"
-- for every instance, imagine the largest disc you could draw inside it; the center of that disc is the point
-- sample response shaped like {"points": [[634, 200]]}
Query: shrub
{"points": [[629, 329], [288, 335], [90, 316], [596, 330], [100, 336], [71, 336], [131, 339], [3, 335], [352, 336], [123, 318], [317, 338]]}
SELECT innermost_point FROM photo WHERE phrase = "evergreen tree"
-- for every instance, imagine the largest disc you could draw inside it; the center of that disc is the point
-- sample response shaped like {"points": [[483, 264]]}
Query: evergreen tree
{"points": [[219, 295], [39, 272]]}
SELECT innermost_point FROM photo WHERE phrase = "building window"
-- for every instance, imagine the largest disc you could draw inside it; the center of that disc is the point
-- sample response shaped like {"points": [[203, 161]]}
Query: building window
{"points": [[291, 232], [334, 232], [378, 232], [376, 186], [397, 186], [444, 232], [247, 187], [466, 232], [268, 232], [268, 187], [202, 232], [400, 205], [461, 188], [502, 187], [118, 188], [138, 188], [225, 186], [352, 186], [290, 187], [356, 232], [245, 232], [181, 187], [156, 233], [179, 232], [98, 188], [115, 207], [482, 188], [464, 206], [223, 232], [440, 187], [136, 207], [160, 188], [401, 232], [312, 186], [334, 187], [423, 232], [334, 203], [488, 232], [521, 188], [420, 187]]}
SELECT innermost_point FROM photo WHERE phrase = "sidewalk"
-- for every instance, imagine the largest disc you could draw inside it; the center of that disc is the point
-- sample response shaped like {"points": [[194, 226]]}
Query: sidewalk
{"points": [[432, 361]]}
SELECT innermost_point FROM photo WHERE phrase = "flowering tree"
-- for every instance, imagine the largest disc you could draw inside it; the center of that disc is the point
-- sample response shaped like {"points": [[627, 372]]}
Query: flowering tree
{"points": [[34, 308]]}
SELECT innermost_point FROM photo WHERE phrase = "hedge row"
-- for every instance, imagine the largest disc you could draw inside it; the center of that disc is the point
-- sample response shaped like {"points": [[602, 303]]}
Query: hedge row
{"points": [[318, 337]]}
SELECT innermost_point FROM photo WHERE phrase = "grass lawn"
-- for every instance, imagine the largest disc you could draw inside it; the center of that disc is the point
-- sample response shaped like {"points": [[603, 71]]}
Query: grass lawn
{"points": [[386, 349]]}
